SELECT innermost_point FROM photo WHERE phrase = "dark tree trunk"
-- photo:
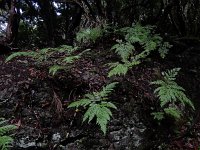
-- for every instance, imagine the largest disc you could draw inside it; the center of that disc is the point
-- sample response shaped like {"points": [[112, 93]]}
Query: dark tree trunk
{"points": [[99, 8], [49, 16], [75, 22], [109, 11], [13, 24]]}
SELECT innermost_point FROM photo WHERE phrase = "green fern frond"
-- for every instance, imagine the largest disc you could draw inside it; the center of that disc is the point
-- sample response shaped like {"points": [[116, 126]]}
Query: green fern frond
{"points": [[170, 75], [89, 35], [117, 69], [146, 38], [6, 128], [158, 115], [169, 92], [5, 142], [91, 112], [164, 49], [103, 116], [20, 54], [108, 105], [158, 82], [67, 49], [97, 106], [123, 49], [55, 68], [71, 59], [174, 112], [108, 89], [81, 102]]}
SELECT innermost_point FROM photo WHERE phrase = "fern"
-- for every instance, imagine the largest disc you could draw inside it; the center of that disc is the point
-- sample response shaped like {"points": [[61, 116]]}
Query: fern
{"points": [[158, 115], [71, 59], [125, 50], [174, 112], [97, 106], [89, 35], [170, 94], [60, 58], [5, 140], [164, 49], [20, 54], [117, 69], [54, 69], [144, 36]]}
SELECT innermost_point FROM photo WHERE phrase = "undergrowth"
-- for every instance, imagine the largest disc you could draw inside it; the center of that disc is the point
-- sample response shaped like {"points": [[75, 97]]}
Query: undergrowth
{"points": [[5, 139], [137, 44], [97, 106], [171, 96], [90, 35], [130, 56], [60, 58]]}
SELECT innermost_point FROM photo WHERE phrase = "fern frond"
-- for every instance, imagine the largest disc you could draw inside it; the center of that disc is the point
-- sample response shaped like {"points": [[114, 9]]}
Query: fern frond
{"points": [[6, 128], [164, 49], [108, 105], [108, 89], [66, 48], [171, 74], [81, 102], [5, 142], [91, 96], [20, 54], [55, 68], [89, 35], [103, 116], [117, 69], [158, 115], [97, 106], [169, 92], [123, 49], [158, 82], [174, 112], [71, 59]]}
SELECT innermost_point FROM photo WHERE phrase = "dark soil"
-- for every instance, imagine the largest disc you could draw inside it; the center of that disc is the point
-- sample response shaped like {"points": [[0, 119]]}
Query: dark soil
{"points": [[37, 103]]}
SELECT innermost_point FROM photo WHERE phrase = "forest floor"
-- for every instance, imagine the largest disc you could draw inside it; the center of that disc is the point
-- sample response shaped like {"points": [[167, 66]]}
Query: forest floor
{"points": [[37, 103]]}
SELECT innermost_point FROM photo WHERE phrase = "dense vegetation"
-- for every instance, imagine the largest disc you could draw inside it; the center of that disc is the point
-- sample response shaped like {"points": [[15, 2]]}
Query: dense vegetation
{"points": [[93, 65]]}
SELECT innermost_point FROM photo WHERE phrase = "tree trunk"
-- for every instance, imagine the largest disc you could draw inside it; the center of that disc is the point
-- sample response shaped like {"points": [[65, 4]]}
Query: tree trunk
{"points": [[49, 16], [13, 24]]}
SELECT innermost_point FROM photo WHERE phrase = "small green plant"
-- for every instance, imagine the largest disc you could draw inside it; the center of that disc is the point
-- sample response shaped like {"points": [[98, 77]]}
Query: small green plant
{"points": [[171, 95], [97, 106], [123, 49], [5, 139], [56, 59], [148, 41], [90, 34]]}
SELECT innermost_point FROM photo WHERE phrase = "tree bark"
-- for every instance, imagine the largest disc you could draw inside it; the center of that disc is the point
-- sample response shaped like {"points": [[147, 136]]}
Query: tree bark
{"points": [[13, 24], [49, 16]]}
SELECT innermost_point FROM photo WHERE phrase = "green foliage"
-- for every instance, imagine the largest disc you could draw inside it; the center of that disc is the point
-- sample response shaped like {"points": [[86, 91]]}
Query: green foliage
{"points": [[55, 68], [121, 68], [117, 69], [170, 95], [5, 140], [97, 106], [90, 35], [20, 54], [56, 59], [148, 41], [123, 49]]}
